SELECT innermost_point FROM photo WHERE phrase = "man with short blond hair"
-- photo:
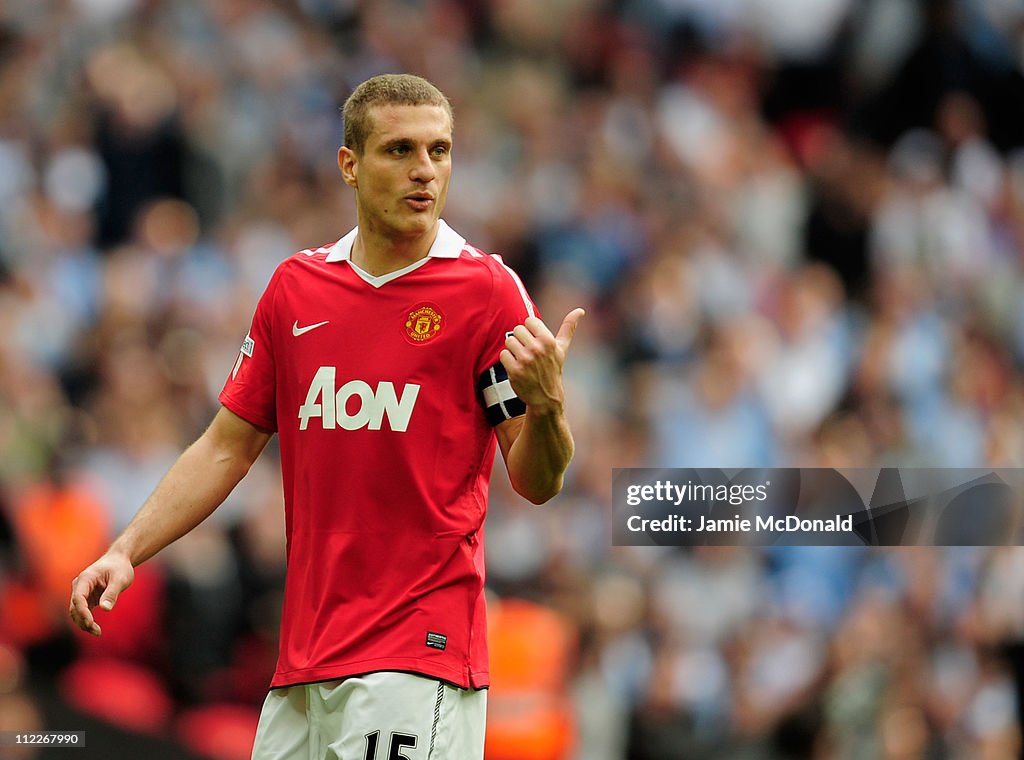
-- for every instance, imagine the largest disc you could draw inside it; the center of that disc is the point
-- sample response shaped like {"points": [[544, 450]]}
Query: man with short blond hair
{"points": [[390, 363], [387, 89]]}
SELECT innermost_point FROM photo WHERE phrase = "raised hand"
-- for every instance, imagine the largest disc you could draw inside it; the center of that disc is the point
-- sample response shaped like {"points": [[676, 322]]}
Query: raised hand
{"points": [[534, 359]]}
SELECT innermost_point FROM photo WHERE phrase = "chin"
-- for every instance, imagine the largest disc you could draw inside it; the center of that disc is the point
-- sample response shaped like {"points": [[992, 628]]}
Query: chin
{"points": [[418, 225]]}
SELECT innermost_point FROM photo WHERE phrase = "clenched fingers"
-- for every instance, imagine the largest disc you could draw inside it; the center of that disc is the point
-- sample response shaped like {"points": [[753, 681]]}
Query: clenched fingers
{"points": [[529, 339]]}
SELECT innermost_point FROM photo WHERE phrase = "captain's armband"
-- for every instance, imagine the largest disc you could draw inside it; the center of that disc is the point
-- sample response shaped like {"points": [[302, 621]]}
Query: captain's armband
{"points": [[500, 401]]}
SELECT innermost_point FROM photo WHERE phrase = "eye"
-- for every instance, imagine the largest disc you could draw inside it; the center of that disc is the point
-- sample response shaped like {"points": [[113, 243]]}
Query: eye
{"points": [[398, 150], [440, 150]]}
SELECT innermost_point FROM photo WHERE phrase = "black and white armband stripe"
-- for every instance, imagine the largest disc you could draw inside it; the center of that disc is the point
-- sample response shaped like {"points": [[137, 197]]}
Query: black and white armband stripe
{"points": [[500, 401]]}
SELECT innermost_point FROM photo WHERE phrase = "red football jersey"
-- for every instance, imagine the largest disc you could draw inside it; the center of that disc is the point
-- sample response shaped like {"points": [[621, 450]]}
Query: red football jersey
{"points": [[383, 391]]}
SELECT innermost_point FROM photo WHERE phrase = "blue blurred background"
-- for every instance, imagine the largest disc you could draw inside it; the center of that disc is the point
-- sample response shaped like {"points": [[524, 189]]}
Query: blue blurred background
{"points": [[798, 230]]}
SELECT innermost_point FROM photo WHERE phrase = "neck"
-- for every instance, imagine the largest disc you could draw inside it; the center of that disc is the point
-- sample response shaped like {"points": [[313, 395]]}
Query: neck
{"points": [[378, 254]]}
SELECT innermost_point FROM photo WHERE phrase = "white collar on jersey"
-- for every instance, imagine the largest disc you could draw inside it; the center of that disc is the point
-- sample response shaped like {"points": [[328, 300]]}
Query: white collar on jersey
{"points": [[447, 245]]}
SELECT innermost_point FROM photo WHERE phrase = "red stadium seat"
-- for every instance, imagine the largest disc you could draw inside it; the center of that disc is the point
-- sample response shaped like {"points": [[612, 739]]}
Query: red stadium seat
{"points": [[219, 731], [127, 695]]}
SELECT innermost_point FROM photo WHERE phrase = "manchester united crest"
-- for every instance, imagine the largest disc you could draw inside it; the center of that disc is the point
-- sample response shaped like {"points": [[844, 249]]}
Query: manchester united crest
{"points": [[423, 323]]}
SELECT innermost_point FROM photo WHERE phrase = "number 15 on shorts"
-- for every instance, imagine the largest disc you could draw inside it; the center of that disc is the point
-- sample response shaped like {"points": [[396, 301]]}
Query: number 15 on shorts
{"points": [[398, 743]]}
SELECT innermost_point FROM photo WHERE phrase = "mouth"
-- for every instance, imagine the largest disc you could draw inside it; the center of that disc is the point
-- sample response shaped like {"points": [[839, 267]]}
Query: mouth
{"points": [[419, 201]]}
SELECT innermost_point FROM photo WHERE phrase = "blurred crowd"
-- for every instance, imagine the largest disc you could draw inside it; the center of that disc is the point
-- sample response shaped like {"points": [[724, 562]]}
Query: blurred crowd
{"points": [[798, 230]]}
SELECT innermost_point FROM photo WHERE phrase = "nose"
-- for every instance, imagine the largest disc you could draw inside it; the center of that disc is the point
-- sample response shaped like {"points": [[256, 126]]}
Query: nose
{"points": [[422, 169]]}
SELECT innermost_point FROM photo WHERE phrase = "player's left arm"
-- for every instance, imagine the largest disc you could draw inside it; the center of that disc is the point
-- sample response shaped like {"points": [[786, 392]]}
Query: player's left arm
{"points": [[538, 446]]}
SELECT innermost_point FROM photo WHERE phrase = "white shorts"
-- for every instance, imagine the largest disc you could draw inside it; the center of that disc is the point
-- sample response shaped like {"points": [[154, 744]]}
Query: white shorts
{"points": [[378, 716]]}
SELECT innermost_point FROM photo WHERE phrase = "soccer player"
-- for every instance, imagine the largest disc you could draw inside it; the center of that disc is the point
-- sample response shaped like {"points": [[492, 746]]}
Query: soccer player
{"points": [[383, 362]]}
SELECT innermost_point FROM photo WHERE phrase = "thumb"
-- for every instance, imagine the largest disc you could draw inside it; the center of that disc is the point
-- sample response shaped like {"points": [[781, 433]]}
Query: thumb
{"points": [[568, 328], [114, 589], [108, 599]]}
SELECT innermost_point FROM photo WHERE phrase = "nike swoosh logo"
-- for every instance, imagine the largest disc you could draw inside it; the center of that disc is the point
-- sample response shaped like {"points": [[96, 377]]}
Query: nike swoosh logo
{"points": [[297, 331]]}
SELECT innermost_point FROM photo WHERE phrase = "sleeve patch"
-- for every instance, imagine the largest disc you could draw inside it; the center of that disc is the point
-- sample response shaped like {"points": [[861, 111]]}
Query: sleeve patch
{"points": [[500, 401], [247, 346]]}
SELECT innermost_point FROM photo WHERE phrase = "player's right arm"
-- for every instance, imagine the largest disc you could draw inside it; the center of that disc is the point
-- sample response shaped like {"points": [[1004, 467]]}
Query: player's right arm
{"points": [[191, 490]]}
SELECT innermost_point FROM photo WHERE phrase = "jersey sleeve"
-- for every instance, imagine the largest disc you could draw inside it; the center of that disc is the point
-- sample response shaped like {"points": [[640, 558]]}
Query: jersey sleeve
{"points": [[510, 305], [250, 390]]}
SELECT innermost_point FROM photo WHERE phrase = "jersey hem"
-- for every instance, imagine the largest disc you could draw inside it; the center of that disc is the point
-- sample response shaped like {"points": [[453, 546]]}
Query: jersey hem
{"points": [[477, 680], [368, 672]]}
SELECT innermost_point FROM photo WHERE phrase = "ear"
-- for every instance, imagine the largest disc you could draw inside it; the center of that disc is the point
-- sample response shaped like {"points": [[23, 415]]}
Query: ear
{"points": [[347, 163]]}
